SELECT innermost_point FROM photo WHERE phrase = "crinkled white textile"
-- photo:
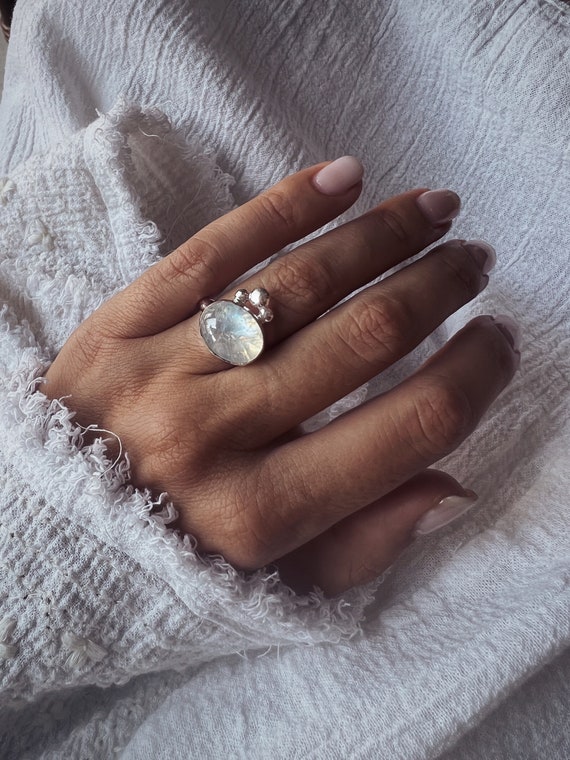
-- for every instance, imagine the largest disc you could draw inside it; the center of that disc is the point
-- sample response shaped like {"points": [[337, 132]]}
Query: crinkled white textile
{"points": [[124, 128]]}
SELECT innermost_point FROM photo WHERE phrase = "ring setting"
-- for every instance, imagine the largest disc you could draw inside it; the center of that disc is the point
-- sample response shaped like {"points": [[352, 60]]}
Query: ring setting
{"points": [[232, 330]]}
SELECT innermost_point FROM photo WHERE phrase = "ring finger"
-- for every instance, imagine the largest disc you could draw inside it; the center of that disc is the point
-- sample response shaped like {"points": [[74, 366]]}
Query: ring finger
{"points": [[363, 336]]}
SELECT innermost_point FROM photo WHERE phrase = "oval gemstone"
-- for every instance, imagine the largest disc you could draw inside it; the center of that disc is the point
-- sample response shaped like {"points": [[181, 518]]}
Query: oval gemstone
{"points": [[231, 332]]}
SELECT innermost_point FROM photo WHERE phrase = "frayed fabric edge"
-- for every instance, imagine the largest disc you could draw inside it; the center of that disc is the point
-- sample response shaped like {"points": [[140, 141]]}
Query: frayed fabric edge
{"points": [[108, 156], [90, 487]]}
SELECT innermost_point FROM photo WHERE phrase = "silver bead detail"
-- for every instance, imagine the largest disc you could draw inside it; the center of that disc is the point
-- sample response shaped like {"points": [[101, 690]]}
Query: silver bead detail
{"points": [[265, 314], [259, 297], [241, 296]]}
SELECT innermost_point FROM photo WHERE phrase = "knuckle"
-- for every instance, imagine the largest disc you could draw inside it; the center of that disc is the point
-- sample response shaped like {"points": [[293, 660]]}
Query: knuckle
{"points": [[245, 536], [197, 260], [393, 225], [378, 327], [92, 346], [268, 524], [169, 447], [462, 272], [444, 416], [300, 280], [277, 206], [88, 345], [240, 527], [255, 548], [360, 572]]}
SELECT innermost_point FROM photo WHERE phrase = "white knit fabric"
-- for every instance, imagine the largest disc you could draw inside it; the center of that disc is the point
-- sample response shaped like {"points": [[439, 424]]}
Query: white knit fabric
{"points": [[126, 127]]}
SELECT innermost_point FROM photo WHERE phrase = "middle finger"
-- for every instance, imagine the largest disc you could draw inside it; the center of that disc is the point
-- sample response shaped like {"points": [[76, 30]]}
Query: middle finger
{"points": [[315, 276]]}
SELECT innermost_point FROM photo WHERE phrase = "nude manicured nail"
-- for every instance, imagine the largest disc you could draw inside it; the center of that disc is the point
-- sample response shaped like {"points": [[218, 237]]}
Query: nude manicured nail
{"points": [[447, 510], [439, 206], [510, 329], [483, 253], [339, 176]]}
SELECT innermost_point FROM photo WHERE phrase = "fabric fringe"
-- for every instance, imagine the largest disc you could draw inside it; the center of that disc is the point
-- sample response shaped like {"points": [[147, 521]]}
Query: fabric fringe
{"points": [[259, 605]]}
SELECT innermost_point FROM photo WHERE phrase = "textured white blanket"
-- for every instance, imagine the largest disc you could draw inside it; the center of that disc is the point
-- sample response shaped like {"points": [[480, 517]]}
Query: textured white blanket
{"points": [[207, 103]]}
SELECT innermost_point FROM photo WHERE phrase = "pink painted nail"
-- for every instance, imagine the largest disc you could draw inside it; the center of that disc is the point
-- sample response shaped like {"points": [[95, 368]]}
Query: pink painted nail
{"points": [[339, 176], [439, 206], [447, 510]]}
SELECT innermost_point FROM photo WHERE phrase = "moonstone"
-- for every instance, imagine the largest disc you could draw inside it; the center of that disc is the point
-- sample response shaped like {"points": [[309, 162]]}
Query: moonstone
{"points": [[231, 332]]}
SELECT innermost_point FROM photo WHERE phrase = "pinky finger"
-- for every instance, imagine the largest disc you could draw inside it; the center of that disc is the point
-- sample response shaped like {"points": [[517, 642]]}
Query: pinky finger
{"points": [[362, 546]]}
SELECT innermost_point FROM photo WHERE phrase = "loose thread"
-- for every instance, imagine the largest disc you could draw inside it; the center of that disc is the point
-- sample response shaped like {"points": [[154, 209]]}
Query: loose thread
{"points": [[96, 429]]}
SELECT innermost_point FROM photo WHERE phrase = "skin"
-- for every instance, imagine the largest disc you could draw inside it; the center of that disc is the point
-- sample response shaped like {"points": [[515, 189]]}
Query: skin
{"points": [[335, 507]]}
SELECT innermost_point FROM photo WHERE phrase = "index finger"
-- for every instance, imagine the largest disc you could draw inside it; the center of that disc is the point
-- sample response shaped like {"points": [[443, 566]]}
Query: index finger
{"points": [[208, 262]]}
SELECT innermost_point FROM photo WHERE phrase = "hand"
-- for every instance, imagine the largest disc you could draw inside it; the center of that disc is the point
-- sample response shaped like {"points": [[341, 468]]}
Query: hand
{"points": [[334, 507]]}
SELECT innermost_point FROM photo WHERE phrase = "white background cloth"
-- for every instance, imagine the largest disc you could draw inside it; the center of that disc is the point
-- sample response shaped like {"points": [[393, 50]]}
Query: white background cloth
{"points": [[471, 95]]}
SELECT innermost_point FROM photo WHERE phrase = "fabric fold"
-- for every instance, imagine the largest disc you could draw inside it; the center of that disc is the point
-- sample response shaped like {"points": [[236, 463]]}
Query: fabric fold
{"points": [[123, 593], [470, 95]]}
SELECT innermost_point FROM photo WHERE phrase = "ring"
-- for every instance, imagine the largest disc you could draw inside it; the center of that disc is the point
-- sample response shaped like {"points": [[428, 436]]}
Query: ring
{"points": [[232, 330]]}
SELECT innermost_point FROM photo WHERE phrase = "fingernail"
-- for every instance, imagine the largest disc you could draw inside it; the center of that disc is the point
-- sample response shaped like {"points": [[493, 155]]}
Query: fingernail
{"points": [[339, 176], [447, 510], [510, 330], [483, 253], [439, 206]]}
